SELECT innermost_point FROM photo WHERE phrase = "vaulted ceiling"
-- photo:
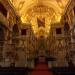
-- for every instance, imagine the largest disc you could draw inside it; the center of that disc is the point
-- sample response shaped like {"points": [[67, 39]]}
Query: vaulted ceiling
{"points": [[30, 10]]}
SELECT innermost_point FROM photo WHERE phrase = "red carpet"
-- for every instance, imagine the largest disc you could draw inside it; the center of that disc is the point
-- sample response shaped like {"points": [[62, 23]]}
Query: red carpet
{"points": [[41, 69]]}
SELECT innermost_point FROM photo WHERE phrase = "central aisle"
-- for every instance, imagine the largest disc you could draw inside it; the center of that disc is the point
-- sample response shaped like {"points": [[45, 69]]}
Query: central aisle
{"points": [[41, 68]]}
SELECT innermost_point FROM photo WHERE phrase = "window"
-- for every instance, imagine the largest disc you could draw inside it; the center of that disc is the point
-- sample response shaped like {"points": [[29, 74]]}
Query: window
{"points": [[58, 30], [3, 10], [74, 10], [23, 31]]}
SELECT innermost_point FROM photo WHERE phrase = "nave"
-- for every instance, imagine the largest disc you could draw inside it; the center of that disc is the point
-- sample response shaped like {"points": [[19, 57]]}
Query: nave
{"points": [[37, 35]]}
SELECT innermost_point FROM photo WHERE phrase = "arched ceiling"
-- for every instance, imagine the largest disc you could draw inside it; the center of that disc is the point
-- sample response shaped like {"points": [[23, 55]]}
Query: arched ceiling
{"points": [[30, 10], [22, 6]]}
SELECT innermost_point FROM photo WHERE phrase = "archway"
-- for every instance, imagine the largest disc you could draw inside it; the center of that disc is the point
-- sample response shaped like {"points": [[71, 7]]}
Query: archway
{"points": [[66, 28], [15, 43], [15, 34], [2, 38]]}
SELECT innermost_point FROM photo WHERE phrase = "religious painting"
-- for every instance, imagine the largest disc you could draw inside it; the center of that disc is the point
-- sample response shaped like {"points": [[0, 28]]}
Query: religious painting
{"points": [[41, 22]]}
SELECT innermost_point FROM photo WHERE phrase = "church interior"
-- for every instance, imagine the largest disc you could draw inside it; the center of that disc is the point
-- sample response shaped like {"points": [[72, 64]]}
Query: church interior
{"points": [[37, 35]]}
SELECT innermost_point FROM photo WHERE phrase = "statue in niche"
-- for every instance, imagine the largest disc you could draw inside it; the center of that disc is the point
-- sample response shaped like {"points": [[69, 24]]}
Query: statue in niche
{"points": [[66, 28]]}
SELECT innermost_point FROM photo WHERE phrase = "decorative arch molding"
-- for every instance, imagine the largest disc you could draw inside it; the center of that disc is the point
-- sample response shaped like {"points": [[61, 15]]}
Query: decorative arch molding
{"points": [[36, 10]]}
